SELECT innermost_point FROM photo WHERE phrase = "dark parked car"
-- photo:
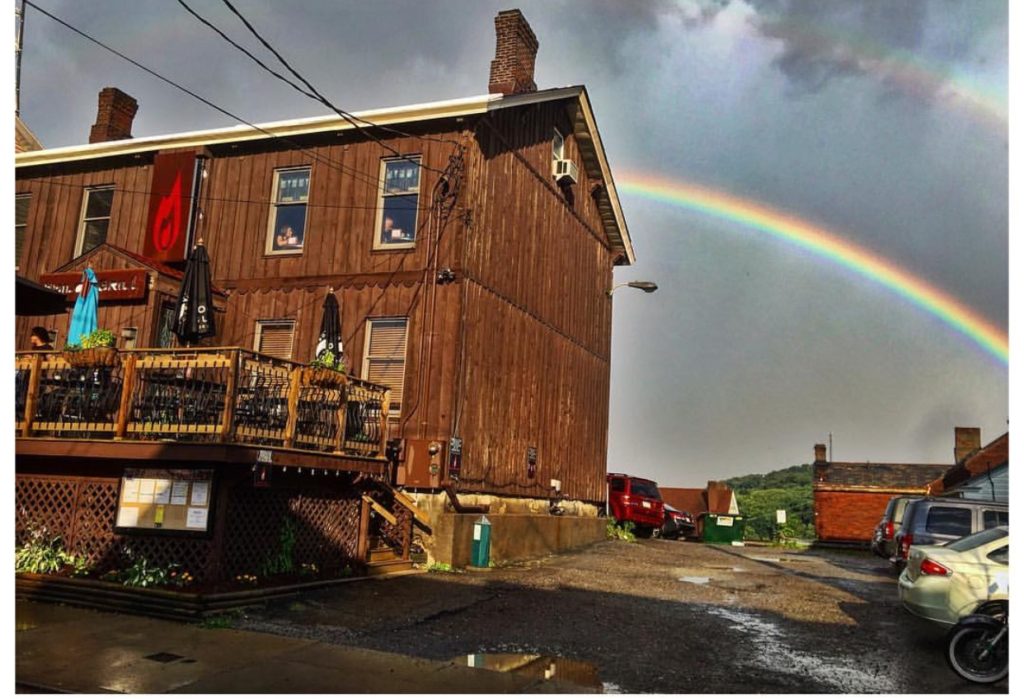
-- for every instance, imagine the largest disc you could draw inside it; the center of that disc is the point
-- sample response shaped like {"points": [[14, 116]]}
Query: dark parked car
{"points": [[883, 542], [678, 524], [938, 521], [636, 500]]}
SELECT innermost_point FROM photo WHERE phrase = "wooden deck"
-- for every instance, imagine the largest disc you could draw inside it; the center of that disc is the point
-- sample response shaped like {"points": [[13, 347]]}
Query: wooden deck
{"points": [[220, 404]]}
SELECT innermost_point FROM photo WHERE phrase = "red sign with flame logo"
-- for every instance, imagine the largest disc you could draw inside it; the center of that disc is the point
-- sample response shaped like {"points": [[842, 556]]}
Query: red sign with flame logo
{"points": [[170, 207]]}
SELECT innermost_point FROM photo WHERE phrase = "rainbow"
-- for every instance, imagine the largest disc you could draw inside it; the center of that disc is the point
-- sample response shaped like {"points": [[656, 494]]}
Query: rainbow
{"points": [[825, 244]]}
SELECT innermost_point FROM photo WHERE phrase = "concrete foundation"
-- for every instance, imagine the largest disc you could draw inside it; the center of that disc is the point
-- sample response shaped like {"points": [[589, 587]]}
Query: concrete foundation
{"points": [[521, 528]]}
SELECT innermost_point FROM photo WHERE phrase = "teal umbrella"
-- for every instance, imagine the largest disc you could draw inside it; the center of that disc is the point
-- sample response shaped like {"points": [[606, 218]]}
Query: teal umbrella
{"points": [[83, 317]]}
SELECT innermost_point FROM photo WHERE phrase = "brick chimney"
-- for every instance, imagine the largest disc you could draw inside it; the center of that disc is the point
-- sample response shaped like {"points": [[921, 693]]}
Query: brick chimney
{"points": [[968, 439], [512, 67], [820, 454], [114, 116]]}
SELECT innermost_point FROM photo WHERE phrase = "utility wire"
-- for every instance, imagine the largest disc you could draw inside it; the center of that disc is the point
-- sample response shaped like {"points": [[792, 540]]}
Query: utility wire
{"points": [[369, 179], [351, 118], [314, 95]]}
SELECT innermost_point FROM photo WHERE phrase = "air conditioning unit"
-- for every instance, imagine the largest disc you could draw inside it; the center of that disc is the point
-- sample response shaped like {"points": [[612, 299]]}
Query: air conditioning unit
{"points": [[565, 171]]}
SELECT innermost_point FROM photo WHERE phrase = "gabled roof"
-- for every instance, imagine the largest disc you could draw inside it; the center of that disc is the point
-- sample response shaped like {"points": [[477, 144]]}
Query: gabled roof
{"points": [[876, 475], [991, 456], [585, 130], [155, 266], [686, 499]]}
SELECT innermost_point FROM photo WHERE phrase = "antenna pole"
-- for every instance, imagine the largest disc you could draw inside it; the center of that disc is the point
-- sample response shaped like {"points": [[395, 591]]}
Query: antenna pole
{"points": [[830, 457], [19, 12]]}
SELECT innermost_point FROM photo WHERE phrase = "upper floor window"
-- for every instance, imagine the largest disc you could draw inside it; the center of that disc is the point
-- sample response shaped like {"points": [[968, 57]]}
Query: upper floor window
{"points": [[557, 146], [287, 227], [275, 337], [384, 358], [399, 201], [21, 203], [96, 206]]}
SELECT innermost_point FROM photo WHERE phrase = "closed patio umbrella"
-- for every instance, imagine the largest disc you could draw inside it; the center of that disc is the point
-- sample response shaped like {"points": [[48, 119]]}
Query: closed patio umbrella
{"points": [[193, 312], [83, 317], [330, 329]]}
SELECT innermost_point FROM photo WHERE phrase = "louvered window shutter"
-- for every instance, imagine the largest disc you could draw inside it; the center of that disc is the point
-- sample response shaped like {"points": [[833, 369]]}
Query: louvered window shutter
{"points": [[385, 361], [275, 338]]}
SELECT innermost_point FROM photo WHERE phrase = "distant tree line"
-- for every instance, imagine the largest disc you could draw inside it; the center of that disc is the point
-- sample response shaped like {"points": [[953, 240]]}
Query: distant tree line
{"points": [[760, 495]]}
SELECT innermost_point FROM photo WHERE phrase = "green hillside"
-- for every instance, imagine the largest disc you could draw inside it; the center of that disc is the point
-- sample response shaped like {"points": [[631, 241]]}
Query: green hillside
{"points": [[760, 495]]}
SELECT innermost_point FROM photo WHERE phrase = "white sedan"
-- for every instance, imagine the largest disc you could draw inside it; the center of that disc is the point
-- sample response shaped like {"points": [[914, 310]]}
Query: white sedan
{"points": [[945, 583]]}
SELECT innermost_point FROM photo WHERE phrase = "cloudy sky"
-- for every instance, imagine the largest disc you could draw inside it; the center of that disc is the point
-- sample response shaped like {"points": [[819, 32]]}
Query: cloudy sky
{"points": [[882, 122]]}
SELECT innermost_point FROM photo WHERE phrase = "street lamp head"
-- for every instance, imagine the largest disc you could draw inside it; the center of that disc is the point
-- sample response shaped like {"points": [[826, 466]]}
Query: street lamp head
{"points": [[646, 287]]}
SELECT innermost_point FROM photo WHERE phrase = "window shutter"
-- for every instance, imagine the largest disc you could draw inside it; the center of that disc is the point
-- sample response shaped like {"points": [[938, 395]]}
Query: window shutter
{"points": [[385, 360], [275, 338], [21, 204], [387, 338]]}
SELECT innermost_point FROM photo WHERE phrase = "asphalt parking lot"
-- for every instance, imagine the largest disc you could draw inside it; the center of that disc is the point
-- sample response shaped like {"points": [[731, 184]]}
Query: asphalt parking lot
{"points": [[654, 616]]}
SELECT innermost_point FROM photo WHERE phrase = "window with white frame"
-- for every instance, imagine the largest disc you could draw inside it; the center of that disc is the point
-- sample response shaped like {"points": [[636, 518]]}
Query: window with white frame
{"points": [[286, 233], [21, 204], [557, 146], [384, 357], [399, 202], [96, 206], [275, 337]]}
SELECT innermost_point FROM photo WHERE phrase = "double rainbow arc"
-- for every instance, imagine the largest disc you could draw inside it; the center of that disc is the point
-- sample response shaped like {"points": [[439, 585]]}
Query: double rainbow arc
{"points": [[823, 243]]}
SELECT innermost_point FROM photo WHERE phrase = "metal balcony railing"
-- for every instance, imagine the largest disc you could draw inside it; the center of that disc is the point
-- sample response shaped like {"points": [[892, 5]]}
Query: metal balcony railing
{"points": [[220, 394]]}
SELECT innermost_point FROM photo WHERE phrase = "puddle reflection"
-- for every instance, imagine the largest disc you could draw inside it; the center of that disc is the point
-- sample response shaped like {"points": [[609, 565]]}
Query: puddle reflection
{"points": [[541, 667]]}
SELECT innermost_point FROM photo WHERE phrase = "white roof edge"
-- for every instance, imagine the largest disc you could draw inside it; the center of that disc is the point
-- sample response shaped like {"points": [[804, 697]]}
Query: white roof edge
{"points": [[464, 106], [606, 171]]}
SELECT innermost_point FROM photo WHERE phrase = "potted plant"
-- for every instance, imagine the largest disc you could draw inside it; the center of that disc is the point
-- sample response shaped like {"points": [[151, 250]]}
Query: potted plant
{"points": [[97, 349], [326, 370]]}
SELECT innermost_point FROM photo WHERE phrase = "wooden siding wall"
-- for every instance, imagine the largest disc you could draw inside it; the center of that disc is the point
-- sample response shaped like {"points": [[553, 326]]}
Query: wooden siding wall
{"points": [[341, 216], [56, 208], [429, 417], [538, 333]]}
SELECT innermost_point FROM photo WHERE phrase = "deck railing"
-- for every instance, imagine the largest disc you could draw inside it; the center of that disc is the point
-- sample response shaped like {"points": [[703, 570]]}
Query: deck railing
{"points": [[220, 394]]}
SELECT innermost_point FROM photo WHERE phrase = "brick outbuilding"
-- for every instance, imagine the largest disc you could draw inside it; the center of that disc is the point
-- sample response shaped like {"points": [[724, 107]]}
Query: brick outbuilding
{"points": [[850, 498]]}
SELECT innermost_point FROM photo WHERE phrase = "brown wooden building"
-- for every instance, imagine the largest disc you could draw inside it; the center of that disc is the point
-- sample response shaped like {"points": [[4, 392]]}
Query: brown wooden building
{"points": [[470, 244]]}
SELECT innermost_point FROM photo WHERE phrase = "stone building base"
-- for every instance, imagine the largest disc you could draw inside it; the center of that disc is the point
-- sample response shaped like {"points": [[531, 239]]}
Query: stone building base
{"points": [[521, 528]]}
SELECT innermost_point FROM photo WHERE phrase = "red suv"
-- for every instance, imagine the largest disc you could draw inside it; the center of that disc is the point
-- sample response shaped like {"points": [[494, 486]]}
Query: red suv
{"points": [[636, 500]]}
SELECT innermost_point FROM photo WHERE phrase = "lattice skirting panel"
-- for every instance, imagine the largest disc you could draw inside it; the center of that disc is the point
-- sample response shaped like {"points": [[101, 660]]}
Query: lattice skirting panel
{"points": [[321, 524], [296, 524], [82, 511]]}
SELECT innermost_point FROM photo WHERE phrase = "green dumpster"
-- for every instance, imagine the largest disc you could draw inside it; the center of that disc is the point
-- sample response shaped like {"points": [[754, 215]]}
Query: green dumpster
{"points": [[723, 529]]}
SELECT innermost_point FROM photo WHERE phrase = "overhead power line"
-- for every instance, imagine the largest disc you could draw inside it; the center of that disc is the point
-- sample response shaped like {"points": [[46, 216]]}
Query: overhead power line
{"points": [[369, 178], [312, 92]]}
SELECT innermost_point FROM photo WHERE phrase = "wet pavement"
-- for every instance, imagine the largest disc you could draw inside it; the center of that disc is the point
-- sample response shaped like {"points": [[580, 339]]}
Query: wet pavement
{"points": [[655, 616]]}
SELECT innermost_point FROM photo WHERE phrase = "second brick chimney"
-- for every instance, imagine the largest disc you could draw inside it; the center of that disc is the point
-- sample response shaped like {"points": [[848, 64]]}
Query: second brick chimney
{"points": [[114, 116], [968, 440], [514, 57], [820, 455]]}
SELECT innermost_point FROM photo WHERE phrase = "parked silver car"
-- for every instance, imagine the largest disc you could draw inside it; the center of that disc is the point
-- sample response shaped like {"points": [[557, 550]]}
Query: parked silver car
{"points": [[937, 521]]}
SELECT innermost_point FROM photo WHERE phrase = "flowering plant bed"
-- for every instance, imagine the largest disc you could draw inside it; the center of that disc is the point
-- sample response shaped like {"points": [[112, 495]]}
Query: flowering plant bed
{"points": [[323, 377], [94, 356]]}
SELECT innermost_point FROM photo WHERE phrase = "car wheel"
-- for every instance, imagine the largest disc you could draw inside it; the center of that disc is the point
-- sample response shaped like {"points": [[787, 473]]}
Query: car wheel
{"points": [[644, 532]]}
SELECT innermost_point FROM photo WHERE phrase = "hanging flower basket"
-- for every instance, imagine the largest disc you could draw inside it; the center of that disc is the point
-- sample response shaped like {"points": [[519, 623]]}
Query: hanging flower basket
{"points": [[325, 378], [94, 356]]}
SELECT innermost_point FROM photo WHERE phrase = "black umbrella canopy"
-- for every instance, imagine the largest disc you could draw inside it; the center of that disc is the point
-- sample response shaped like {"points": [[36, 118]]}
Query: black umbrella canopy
{"points": [[193, 313], [330, 329]]}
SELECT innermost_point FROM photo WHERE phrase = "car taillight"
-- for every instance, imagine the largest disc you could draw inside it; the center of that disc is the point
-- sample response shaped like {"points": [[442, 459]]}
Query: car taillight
{"points": [[905, 543], [890, 529], [930, 567]]}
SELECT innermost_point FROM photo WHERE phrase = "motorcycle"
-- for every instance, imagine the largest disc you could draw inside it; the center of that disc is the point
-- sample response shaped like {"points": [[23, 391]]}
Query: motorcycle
{"points": [[978, 647]]}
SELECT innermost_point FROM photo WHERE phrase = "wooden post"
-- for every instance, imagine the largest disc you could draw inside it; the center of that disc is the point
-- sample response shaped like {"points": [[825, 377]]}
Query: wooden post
{"points": [[127, 388], [363, 544], [384, 406], [339, 444], [293, 407], [230, 390], [33, 393]]}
